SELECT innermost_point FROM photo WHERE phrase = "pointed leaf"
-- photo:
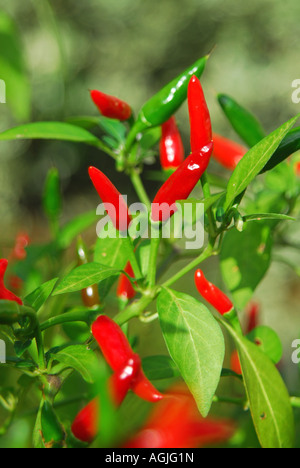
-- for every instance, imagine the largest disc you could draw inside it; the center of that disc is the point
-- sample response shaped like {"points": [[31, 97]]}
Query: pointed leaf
{"points": [[195, 343]]}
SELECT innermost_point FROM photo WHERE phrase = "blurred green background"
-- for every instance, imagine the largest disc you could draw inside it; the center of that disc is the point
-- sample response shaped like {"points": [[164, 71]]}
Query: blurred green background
{"points": [[131, 48]]}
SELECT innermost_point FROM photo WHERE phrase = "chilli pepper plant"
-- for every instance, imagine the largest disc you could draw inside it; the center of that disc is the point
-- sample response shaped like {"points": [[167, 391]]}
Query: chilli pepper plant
{"points": [[69, 332]]}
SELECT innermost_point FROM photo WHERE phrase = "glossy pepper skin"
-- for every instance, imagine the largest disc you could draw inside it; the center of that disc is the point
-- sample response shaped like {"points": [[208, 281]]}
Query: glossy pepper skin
{"points": [[171, 148], [5, 294], [125, 290], [212, 294], [90, 296], [166, 102], [86, 425], [228, 153], [200, 123], [243, 122], [111, 106], [175, 422], [117, 352], [180, 184], [113, 201]]}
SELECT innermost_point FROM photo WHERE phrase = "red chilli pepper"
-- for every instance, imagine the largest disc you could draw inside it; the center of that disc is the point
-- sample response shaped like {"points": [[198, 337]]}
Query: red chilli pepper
{"points": [[5, 293], [200, 123], [125, 290], [86, 424], [117, 352], [227, 152], [113, 201], [171, 148], [180, 184], [111, 106], [175, 422], [212, 294]]}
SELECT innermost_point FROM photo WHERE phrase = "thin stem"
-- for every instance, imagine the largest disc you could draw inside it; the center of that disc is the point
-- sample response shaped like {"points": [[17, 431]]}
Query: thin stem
{"points": [[135, 309], [154, 246], [139, 188], [234, 401], [205, 254], [77, 316]]}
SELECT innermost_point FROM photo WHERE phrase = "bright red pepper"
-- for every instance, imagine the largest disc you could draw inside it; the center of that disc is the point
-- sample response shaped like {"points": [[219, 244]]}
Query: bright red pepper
{"points": [[125, 290], [175, 422], [171, 148], [200, 123], [5, 293], [297, 169], [86, 424], [117, 352], [227, 152], [212, 294], [180, 184], [113, 201], [111, 106]]}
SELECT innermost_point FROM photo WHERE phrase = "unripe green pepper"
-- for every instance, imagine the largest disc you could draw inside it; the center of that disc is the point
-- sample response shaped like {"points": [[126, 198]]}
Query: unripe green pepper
{"points": [[166, 102], [243, 122], [52, 431]]}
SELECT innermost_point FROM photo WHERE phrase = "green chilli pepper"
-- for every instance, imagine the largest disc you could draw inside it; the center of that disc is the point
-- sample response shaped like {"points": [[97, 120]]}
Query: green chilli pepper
{"points": [[244, 123], [52, 430], [165, 103], [289, 145]]}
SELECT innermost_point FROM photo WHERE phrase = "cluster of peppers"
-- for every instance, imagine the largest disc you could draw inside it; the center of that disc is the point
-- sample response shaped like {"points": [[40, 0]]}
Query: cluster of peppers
{"points": [[124, 362]]}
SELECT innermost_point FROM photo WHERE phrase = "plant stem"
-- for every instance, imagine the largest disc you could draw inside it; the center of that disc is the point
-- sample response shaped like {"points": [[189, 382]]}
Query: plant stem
{"points": [[135, 309], [154, 246], [139, 188], [205, 254], [86, 316]]}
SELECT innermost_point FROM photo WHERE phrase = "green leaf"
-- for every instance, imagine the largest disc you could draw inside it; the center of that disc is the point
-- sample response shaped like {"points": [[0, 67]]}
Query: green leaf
{"points": [[254, 161], [112, 127], [268, 342], [37, 298], [84, 276], [114, 253], [160, 367], [267, 394], [86, 122], [289, 145], [75, 227], [20, 347], [245, 259], [260, 216], [50, 131], [195, 343], [13, 70], [79, 358]]}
